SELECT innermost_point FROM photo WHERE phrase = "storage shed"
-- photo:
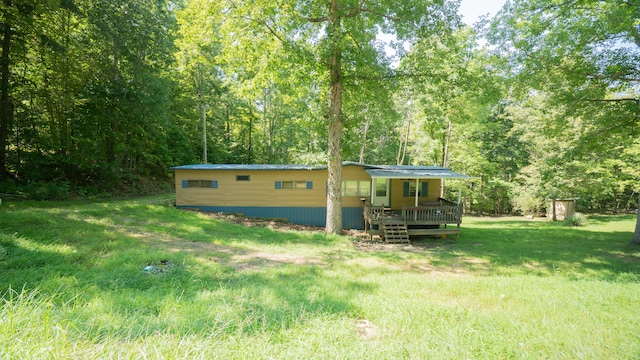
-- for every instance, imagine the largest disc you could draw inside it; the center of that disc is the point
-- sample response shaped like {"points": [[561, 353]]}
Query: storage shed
{"points": [[564, 208]]}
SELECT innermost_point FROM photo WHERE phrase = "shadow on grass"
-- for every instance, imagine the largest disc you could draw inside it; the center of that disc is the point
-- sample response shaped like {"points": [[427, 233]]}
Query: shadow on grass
{"points": [[88, 262], [607, 219], [510, 247]]}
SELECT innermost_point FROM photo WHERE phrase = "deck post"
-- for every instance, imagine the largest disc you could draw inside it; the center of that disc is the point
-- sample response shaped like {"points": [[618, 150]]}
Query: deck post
{"points": [[415, 215]]}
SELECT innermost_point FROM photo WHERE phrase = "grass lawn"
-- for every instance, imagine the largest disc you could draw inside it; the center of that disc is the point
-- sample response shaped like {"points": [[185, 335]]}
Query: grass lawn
{"points": [[139, 279]]}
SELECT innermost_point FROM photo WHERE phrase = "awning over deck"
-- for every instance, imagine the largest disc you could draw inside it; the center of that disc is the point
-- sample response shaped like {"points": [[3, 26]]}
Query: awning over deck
{"points": [[418, 173], [415, 172]]}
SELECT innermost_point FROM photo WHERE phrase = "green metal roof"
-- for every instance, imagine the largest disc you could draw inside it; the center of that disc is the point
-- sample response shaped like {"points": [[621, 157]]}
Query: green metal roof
{"points": [[262, 166], [375, 171], [248, 167], [416, 173]]}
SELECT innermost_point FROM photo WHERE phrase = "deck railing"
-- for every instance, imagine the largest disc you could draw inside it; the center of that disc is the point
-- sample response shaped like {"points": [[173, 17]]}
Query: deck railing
{"points": [[447, 213], [432, 215], [373, 214]]}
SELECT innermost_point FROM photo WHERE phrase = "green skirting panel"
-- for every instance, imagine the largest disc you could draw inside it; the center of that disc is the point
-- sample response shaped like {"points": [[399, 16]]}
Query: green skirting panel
{"points": [[314, 216]]}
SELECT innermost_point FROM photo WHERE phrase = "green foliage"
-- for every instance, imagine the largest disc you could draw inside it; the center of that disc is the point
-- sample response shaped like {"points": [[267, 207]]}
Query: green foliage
{"points": [[105, 96], [92, 96], [74, 286], [576, 85], [576, 219]]}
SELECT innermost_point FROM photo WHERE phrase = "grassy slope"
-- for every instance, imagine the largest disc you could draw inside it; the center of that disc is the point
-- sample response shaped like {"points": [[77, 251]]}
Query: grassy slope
{"points": [[73, 285]]}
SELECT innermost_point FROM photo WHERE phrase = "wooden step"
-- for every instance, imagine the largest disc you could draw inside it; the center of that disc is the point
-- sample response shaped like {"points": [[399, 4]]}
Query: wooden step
{"points": [[396, 233]]}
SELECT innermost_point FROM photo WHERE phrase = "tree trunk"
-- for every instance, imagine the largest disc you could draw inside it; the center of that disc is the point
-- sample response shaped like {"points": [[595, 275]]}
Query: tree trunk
{"points": [[203, 112], [364, 137], [334, 191], [250, 148], [403, 144], [6, 107], [334, 168], [272, 132], [445, 156], [636, 235]]}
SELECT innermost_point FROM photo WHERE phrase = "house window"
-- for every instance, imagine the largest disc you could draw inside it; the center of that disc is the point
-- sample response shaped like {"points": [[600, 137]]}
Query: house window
{"points": [[410, 189], [210, 184], [356, 188], [380, 187], [243, 178], [294, 185]]}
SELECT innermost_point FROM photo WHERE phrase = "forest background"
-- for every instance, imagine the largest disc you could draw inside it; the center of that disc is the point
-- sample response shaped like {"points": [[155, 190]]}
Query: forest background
{"points": [[542, 101]]}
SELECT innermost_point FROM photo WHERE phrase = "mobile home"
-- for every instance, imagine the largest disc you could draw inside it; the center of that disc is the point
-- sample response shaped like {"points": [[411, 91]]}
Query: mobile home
{"points": [[298, 193]]}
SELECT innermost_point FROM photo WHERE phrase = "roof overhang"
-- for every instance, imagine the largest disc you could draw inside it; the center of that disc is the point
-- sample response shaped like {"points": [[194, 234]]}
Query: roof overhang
{"points": [[375, 171], [428, 173], [247, 167]]}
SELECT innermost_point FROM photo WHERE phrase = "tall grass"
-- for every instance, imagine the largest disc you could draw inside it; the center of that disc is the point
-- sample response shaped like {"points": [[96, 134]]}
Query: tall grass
{"points": [[73, 285]]}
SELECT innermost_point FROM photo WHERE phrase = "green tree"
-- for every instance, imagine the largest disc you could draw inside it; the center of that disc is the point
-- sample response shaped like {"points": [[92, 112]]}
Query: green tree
{"points": [[198, 70], [452, 89], [585, 56], [502, 155], [334, 42], [88, 91], [18, 20], [133, 44]]}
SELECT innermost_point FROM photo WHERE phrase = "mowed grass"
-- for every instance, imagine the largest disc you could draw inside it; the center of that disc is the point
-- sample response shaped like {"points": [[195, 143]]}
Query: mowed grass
{"points": [[73, 285]]}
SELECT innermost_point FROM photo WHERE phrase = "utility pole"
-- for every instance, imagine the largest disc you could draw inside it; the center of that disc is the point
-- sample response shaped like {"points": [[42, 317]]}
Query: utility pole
{"points": [[204, 132]]}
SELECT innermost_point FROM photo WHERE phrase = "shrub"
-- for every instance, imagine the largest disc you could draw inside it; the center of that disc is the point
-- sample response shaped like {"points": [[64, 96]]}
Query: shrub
{"points": [[576, 219]]}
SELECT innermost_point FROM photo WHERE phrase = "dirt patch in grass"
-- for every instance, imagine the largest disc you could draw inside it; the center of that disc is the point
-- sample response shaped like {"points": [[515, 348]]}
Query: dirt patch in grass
{"points": [[416, 246], [361, 240], [280, 225], [242, 259], [260, 259]]}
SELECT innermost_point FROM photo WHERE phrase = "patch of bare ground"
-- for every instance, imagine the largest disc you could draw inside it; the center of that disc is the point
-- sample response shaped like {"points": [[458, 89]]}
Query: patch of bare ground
{"points": [[415, 246], [367, 329], [243, 259], [361, 240], [238, 258], [260, 259], [258, 222]]}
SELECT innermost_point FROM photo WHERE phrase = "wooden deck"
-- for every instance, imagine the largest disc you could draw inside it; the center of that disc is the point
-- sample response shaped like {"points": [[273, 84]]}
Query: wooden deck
{"points": [[399, 225]]}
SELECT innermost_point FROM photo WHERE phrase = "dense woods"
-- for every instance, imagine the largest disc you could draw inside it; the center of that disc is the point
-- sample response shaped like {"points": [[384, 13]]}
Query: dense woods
{"points": [[99, 97]]}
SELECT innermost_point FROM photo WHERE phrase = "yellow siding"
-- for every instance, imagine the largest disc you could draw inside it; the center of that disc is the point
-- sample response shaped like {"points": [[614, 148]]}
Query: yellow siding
{"points": [[195, 196], [258, 191], [261, 191], [397, 192], [353, 173]]}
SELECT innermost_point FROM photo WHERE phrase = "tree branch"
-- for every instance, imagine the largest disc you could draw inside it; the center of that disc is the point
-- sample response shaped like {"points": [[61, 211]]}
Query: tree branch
{"points": [[357, 11], [617, 100], [271, 30], [316, 19], [393, 75]]}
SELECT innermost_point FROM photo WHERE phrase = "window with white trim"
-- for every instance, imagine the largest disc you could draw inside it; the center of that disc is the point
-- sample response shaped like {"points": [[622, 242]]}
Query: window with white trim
{"points": [[202, 184], [356, 188], [294, 185]]}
